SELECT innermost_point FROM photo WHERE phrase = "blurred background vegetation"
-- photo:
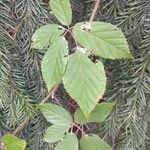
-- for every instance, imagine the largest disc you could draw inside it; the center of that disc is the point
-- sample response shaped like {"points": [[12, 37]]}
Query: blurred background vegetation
{"points": [[22, 86]]}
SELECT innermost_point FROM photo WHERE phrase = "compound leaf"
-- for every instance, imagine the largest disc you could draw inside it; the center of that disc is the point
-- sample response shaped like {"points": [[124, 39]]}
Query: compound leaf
{"points": [[45, 35], [54, 63], [56, 114], [62, 11], [104, 39], [93, 143], [70, 142], [98, 114], [55, 133], [84, 81]]}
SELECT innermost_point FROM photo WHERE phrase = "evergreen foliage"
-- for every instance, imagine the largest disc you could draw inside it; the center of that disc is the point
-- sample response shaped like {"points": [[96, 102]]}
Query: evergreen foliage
{"points": [[22, 86]]}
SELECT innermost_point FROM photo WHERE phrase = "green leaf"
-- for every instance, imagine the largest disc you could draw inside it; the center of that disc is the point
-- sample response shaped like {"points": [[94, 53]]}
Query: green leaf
{"points": [[45, 35], [55, 133], [54, 63], [69, 143], [62, 11], [93, 143], [13, 143], [98, 114], [104, 39], [56, 114], [84, 81]]}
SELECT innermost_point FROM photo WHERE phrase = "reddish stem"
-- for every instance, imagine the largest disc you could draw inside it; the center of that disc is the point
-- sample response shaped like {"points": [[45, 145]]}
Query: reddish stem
{"points": [[81, 129], [50, 94]]}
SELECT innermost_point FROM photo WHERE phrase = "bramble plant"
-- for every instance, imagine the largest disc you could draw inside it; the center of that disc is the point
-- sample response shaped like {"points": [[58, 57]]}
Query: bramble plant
{"points": [[83, 77]]}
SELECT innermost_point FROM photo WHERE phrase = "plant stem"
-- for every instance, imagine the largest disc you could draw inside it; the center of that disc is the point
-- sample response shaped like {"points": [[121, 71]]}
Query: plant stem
{"points": [[21, 126], [55, 88], [50, 94], [81, 129], [94, 10]]}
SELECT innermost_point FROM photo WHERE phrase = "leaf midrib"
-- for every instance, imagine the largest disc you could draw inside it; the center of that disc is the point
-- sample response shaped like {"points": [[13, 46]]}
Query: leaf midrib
{"points": [[124, 51]]}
